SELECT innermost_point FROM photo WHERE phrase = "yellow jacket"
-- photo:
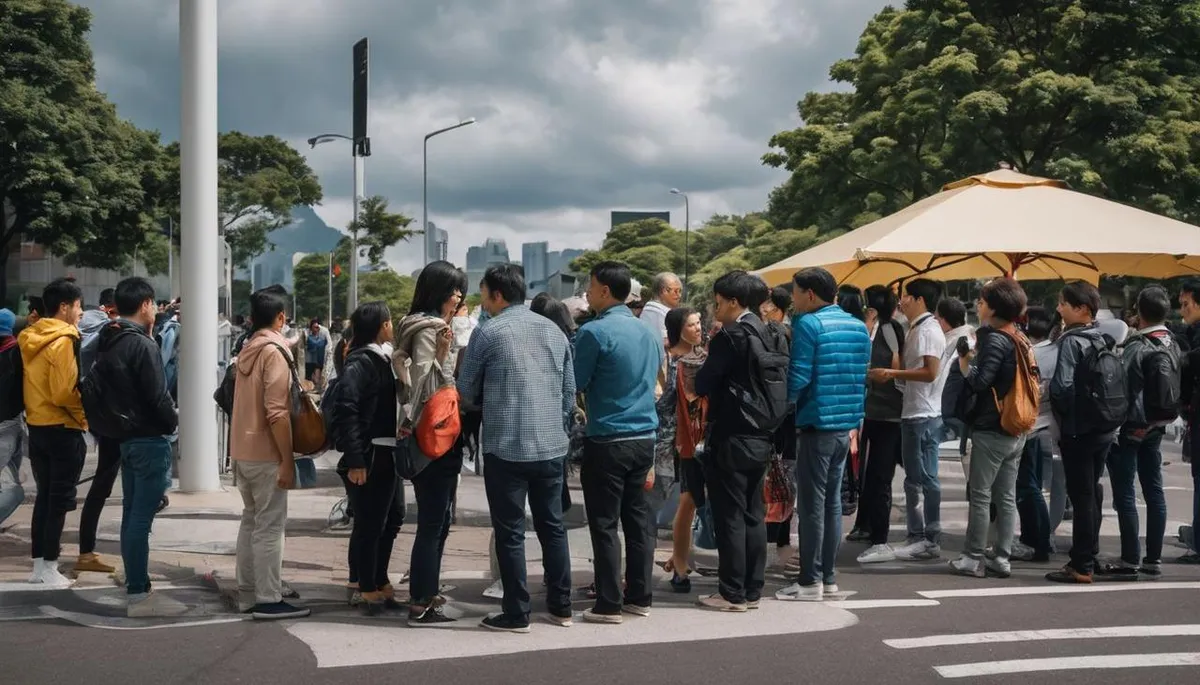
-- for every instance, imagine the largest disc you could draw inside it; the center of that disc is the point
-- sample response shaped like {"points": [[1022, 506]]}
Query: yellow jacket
{"points": [[48, 351]]}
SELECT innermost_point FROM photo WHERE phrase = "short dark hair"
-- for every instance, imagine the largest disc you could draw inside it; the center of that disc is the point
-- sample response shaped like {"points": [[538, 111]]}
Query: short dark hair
{"points": [[1153, 304], [883, 300], [675, 320], [925, 289], [58, 292], [131, 294], [266, 305], [507, 280], [435, 284], [108, 297], [1005, 297], [1191, 288], [616, 276], [366, 322], [749, 290], [781, 297], [545, 305], [850, 300], [1081, 294], [1038, 322], [953, 311], [36, 305], [818, 280]]}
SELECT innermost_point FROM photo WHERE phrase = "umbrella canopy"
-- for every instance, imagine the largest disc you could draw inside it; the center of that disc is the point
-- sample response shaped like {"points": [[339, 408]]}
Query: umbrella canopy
{"points": [[1002, 223]]}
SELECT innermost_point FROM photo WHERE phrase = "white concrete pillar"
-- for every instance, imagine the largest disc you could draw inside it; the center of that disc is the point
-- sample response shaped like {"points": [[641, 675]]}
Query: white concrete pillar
{"points": [[198, 450]]}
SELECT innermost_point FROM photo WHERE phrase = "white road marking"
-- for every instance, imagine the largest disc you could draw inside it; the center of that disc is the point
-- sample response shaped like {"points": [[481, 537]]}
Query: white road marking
{"points": [[1056, 589], [1051, 634], [120, 623], [852, 604], [1069, 663]]}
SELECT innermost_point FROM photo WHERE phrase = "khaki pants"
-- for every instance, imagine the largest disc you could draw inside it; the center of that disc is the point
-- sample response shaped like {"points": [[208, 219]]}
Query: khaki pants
{"points": [[260, 537]]}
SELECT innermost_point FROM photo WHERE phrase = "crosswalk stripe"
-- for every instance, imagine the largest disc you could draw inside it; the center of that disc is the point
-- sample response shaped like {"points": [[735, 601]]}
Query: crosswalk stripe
{"points": [[851, 604], [1057, 589], [1053, 634], [1069, 663]]}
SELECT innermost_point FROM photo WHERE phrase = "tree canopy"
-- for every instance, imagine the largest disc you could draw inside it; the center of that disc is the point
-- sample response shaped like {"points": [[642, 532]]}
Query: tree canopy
{"points": [[378, 229], [1104, 94]]}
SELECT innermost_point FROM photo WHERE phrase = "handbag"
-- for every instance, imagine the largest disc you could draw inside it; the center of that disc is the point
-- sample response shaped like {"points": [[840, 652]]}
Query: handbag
{"points": [[308, 426], [410, 460], [778, 492]]}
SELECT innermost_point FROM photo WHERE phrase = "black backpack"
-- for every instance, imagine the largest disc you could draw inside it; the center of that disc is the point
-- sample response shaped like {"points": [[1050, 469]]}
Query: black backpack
{"points": [[1100, 392], [761, 396], [223, 395], [1161, 395], [103, 415], [328, 402]]}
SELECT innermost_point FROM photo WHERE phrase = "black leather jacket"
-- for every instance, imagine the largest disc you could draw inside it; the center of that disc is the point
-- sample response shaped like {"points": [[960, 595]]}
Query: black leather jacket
{"points": [[990, 378], [1076, 340], [365, 408], [135, 381]]}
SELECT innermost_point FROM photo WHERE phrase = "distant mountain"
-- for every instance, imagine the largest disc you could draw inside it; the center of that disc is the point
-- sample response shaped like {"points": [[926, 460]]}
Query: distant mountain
{"points": [[307, 233]]}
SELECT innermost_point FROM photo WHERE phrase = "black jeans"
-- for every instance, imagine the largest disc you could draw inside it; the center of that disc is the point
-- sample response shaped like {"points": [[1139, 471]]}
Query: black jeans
{"points": [[508, 485], [613, 476], [1031, 503], [880, 446], [1083, 464], [434, 488], [735, 495], [107, 468], [378, 515], [56, 455]]}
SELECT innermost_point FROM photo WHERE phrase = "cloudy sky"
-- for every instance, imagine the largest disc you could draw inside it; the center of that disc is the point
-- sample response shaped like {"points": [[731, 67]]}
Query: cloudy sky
{"points": [[582, 107]]}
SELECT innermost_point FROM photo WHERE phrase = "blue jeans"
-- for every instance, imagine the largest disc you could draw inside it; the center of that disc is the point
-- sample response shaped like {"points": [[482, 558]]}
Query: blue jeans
{"points": [[820, 465], [12, 448], [919, 450], [1031, 503], [145, 477], [1128, 458]]}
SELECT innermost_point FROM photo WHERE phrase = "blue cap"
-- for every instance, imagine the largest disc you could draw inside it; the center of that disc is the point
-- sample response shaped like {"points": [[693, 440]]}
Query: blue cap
{"points": [[7, 321]]}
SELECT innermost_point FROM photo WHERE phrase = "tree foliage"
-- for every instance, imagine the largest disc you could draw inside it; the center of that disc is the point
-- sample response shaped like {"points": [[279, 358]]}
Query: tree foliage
{"points": [[378, 229], [311, 279], [1101, 93], [74, 177]]}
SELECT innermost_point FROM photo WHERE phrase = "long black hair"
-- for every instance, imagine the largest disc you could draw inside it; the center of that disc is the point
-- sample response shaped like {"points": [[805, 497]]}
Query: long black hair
{"points": [[435, 285], [545, 305], [366, 322]]}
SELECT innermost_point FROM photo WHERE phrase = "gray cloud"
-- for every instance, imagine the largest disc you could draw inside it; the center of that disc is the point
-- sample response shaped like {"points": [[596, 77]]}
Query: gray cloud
{"points": [[582, 107]]}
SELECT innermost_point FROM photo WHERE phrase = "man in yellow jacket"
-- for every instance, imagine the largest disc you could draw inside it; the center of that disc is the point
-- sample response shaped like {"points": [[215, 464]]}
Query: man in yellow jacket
{"points": [[54, 413]]}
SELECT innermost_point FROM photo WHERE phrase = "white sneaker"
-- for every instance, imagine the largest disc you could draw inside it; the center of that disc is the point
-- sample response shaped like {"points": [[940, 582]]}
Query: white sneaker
{"points": [[831, 589], [52, 578], [966, 566], [1021, 552], [495, 590], [800, 593], [922, 550], [154, 605], [877, 554], [39, 567]]}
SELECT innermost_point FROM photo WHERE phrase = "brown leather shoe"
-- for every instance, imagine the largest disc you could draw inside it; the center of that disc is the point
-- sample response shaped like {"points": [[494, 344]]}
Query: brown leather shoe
{"points": [[1069, 575], [92, 563]]}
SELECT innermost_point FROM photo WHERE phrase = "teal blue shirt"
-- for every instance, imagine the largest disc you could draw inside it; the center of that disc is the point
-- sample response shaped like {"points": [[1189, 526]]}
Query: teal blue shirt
{"points": [[616, 366]]}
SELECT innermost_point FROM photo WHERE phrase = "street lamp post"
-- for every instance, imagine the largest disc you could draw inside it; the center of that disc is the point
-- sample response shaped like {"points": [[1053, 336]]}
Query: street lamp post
{"points": [[358, 149], [430, 239], [687, 228]]}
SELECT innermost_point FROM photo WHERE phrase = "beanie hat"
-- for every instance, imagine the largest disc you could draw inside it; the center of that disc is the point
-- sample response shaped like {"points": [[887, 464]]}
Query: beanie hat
{"points": [[7, 321]]}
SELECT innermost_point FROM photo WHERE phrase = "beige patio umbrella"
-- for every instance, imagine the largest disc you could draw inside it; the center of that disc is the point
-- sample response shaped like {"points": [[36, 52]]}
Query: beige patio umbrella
{"points": [[1005, 222]]}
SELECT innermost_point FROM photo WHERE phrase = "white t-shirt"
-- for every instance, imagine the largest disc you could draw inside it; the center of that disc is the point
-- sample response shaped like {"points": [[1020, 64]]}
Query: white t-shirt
{"points": [[925, 339], [654, 316]]}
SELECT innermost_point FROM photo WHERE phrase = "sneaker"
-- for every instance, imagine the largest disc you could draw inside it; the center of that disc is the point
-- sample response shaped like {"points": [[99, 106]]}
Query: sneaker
{"points": [[801, 593], [52, 578], [92, 563], [39, 567], [877, 554], [831, 589], [1152, 570], [966, 566], [1190, 558], [1119, 571], [590, 616], [495, 590], [562, 619], [753, 604], [154, 605], [1022, 552], [997, 569], [432, 615], [681, 584], [505, 624], [278, 611], [1069, 575], [635, 609], [716, 602], [921, 550], [858, 535]]}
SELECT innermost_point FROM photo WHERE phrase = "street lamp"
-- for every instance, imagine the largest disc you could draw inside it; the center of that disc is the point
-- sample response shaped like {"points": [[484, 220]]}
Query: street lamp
{"points": [[430, 239], [358, 154], [687, 228]]}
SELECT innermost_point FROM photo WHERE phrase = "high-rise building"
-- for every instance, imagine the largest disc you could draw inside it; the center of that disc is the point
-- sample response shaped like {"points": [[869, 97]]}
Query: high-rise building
{"points": [[439, 247], [535, 262], [479, 258]]}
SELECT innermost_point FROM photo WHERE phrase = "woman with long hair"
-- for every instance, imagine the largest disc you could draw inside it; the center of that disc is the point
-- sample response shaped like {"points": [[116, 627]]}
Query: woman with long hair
{"points": [[364, 411], [423, 365]]}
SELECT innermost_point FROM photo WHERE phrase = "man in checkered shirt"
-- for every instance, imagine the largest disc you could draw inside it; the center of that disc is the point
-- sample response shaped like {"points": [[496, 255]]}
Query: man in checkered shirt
{"points": [[518, 368]]}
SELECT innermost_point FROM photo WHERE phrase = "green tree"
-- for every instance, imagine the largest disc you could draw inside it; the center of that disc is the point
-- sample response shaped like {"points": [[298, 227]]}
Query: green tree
{"points": [[388, 286], [1103, 94], [260, 179], [311, 278], [73, 175], [378, 229]]}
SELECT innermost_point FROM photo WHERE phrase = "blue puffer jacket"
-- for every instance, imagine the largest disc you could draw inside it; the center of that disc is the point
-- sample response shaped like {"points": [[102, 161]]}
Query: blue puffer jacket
{"points": [[830, 354]]}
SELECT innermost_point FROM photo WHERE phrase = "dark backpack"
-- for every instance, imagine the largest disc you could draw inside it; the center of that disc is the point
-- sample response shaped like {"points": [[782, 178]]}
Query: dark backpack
{"points": [[1161, 397], [223, 395], [328, 402], [87, 355], [761, 396], [102, 413], [1100, 392]]}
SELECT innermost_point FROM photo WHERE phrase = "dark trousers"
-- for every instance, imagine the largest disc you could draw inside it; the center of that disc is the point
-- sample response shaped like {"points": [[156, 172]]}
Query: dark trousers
{"points": [[378, 515], [56, 455], [434, 488], [613, 476], [508, 485], [1139, 459], [1031, 503], [735, 495], [1083, 463], [781, 533], [107, 468], [880, 445]]}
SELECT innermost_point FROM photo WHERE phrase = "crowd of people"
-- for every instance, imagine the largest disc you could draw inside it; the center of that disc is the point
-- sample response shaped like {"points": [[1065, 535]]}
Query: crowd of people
{"points": [[770, 411]]}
